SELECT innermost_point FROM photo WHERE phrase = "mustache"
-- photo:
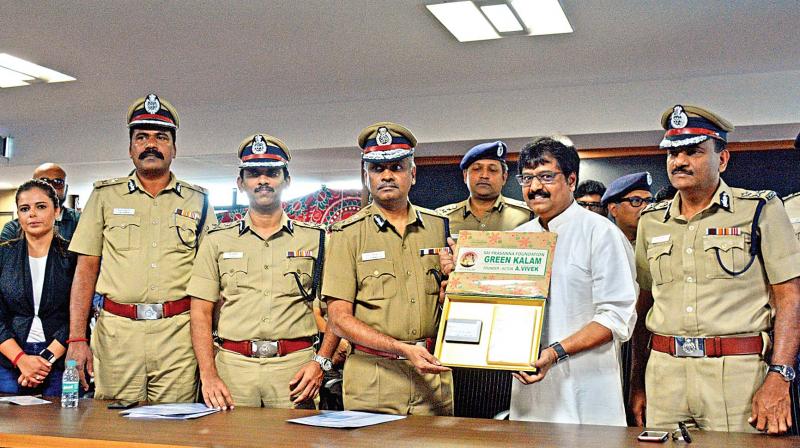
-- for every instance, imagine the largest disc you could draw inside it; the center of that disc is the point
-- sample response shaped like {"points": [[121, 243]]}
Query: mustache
{"points": [[542, 193], [264, 187], [681, 169], [387, 184], [150, 152]]}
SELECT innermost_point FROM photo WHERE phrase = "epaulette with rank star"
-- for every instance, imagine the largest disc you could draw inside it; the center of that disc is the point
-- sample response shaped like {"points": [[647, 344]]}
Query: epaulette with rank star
{"points": [[657, 206], [194, 187], [109, 182], [517, 203], [751, 194], [223, 226], [310, 225], [793, 195], [449, 208], [428, 211], [360, 215]]}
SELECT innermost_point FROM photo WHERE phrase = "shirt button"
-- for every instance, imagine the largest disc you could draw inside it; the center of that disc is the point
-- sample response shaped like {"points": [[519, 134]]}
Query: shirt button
{"points": [[124, 225], [155, 244], [266, 243], [408, 273], [375, 273], [155, 221], [691, 227], [153, 265], [414, 332], [266, 266], [689, 250], [689, 279], [153, 288], [689, 309], [483, 226], [155, 203], [413, 300]]}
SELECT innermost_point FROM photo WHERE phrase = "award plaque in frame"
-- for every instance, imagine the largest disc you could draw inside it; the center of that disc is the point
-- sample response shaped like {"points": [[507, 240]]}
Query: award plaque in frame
{"points": [[494, 307]]}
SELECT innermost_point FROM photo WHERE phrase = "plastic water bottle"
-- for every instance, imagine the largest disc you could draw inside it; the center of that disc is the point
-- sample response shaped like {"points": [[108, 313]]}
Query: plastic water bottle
{"points": [[70, 383]]}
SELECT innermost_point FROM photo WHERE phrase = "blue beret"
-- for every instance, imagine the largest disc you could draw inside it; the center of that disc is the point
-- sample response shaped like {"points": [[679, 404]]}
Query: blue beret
{"points": [[626, 184], [489, 150]]}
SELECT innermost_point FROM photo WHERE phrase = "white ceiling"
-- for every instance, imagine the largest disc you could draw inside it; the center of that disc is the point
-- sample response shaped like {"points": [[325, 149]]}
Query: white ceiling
{"points": [[315, 72]]}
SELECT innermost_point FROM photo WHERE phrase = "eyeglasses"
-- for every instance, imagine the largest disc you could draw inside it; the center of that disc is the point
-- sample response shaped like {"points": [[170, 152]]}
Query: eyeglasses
{"points": [[56, 182], [545, 178], [594, 206], [637, 201]]}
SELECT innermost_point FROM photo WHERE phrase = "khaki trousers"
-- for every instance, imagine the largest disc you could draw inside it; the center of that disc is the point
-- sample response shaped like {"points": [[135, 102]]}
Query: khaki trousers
{"points": [[715, 393], [257, 382], [392, 386], [144, 360]]}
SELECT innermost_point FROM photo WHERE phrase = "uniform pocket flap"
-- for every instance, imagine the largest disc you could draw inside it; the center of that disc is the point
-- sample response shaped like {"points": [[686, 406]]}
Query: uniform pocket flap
{"points": [[723, 243], [374, 268], [658, 250], [232, 266], [123, 221]]}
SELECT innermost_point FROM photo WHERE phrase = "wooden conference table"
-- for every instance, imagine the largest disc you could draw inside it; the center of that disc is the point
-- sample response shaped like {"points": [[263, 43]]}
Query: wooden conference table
{"points": [[92, 425]]}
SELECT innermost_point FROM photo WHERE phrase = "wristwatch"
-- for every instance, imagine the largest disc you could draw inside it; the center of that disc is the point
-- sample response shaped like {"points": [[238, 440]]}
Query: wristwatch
{"points": [[325, 363], [562, 354], [787, 372], [48, 356]]}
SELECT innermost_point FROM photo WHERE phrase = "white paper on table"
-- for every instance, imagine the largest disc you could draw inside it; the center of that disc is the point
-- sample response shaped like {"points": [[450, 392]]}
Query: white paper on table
{"points": [[175, 411], [511, 336], [24, 400], [346, 419]]}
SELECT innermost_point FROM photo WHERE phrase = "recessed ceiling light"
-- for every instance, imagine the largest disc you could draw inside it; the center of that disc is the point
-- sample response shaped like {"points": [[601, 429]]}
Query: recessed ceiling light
{"points": [[15, 72], [542, 16], [502, 18], [464, 21]]}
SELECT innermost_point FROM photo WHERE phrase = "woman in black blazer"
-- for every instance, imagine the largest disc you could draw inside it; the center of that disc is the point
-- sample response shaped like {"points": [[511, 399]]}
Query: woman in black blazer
{"points": [[35, 280]]}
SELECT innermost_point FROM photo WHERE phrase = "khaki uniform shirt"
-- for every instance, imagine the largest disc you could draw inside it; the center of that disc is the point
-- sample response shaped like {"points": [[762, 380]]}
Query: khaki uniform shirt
{"points": [[384, 274], [147, 243], [676, 260], [257, 279], [506, 214], [792, 204]]}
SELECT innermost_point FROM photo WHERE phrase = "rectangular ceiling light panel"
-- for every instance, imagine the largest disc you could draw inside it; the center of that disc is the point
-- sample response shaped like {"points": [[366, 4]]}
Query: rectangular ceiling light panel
{"points": [[16, 72], [502, 18], [464, 21], [542, 16]]}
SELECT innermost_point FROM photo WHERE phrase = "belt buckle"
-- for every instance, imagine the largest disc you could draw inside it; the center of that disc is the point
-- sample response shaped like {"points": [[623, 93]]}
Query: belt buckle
{"points": [[690, 347], [149, 311], [264, 349]]}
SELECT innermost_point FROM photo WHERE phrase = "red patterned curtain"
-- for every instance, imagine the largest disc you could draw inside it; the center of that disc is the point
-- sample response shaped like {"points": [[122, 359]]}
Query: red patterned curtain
{"points": [[324, 206]]}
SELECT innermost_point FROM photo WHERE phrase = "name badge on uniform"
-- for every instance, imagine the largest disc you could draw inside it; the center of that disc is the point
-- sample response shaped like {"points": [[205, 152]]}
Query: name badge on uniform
{"points": [[366, 256], [124, 211], [231, 255], [659, 239], [299, 253], [795, 220]]}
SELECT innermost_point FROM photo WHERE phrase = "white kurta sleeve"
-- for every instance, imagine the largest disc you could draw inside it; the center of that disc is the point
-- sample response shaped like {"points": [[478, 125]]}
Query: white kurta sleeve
{"points": [[613, 282]]}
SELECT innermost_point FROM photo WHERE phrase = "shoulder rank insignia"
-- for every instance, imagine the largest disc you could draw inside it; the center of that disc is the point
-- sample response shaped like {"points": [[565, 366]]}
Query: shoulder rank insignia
{"points": [[107, 182], [449, 208], [760, 194], [223, 226], [657, 206], [791, 196], [360, 215], [517, 203], [180, 184]]}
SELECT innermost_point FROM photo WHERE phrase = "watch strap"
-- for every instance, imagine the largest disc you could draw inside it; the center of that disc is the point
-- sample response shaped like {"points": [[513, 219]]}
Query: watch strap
{"points": [[325, 364], [787, 372], [48, 355], [562, 354]]}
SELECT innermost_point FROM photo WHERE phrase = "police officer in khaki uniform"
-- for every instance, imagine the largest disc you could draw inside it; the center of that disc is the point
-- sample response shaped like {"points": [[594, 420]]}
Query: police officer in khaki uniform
{"points": [[267, 270], [792, 202], [485, 172], [146, 227], [708, 263], [383, 289]]}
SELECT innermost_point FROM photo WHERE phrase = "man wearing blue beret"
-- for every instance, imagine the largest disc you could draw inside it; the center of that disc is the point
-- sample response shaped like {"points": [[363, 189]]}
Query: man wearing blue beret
{"points": [[485, 172], [625, 199]]}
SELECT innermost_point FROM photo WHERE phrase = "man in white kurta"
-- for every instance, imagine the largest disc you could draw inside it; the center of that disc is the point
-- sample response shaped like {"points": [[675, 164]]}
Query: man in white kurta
{"points": [[591, 308]]}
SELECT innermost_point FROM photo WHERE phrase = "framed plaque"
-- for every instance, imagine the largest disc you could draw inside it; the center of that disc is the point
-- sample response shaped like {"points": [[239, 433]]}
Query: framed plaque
{"points": [[494, 307]]}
